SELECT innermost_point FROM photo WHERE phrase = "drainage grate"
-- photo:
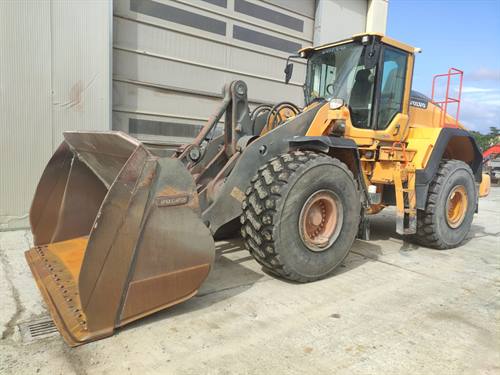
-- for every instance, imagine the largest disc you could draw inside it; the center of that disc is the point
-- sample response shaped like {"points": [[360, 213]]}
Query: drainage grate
{"points": [[37, 329]]}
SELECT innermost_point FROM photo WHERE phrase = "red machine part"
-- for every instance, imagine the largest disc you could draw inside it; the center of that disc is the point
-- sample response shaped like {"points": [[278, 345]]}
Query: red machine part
{"points": [[491, 151]]}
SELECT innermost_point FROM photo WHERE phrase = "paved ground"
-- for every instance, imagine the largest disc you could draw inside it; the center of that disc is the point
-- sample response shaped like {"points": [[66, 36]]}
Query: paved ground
{"points": [[393, 308]]}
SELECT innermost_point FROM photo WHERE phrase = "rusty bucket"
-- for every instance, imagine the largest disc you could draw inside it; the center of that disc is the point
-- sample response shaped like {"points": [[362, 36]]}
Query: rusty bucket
{"points": [[117, 234]]}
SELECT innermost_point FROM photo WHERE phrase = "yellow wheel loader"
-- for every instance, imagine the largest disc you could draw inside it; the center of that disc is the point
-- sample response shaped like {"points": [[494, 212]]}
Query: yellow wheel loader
{"points": [[123, 229]]}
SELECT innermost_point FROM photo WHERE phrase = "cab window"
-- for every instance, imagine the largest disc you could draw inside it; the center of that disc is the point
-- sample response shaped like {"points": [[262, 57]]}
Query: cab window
{"points": [[392, 86], [361, 99]]}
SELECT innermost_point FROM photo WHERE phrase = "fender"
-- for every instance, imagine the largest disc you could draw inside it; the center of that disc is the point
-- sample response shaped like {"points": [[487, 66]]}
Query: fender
{"points": [[425, 176], [323, 143], [328, 145]]}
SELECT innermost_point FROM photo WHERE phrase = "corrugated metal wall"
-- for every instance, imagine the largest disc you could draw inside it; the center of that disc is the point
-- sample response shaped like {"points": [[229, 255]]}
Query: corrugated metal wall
{"points": [[172, 57], [81, 66], [54, 76], [25, 104]]}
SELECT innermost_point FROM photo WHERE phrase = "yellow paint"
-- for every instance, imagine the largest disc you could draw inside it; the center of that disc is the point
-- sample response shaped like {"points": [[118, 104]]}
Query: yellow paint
{"points": [[384, 39], [420, 139], [320, 122], [338, 114], [431, 117], [395, 154], [382, 173], [410, 191], [392, 156], [398, 186], [484, 187]]}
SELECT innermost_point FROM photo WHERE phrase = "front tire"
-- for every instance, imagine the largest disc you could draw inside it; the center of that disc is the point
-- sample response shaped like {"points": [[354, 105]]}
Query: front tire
{"points": [[301, 215], [451, 202]]}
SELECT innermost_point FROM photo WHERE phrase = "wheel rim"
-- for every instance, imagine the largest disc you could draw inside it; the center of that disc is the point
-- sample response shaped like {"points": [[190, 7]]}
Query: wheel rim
{"points": [[456, 206], [320, 220]]}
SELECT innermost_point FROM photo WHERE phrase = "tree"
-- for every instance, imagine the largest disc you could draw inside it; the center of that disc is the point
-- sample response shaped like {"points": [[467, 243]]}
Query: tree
{"points": [[482, 140], [485, 141]]}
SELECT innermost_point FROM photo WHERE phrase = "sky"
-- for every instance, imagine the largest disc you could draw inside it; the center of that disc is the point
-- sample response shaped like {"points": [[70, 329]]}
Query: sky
{"points": [[463, 34]]}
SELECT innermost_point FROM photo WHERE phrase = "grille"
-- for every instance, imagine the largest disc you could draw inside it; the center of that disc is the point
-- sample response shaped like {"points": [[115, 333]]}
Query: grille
{"points": [[37, 329]]}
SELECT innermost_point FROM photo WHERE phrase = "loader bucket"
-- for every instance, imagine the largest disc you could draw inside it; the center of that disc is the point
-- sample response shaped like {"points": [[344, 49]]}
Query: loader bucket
{"points": [[117, 234]]}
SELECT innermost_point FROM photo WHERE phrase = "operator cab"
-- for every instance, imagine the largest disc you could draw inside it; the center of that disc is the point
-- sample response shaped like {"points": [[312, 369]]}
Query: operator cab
{"points": [[368, 72]]}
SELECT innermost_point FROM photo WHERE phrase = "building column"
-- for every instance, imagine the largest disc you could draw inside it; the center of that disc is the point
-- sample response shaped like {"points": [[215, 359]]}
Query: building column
{"points": [[376, 18]]}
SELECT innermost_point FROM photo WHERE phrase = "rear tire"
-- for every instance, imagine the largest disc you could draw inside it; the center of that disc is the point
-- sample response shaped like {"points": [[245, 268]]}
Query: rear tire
{"points": [[439, 226], [273, 224]]}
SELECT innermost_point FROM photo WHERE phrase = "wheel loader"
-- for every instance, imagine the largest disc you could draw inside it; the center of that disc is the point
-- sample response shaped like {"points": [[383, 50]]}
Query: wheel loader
{"points": [[123, 229]]}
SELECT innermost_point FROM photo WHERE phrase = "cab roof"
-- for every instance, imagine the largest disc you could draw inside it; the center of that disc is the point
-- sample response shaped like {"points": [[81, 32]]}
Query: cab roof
{"points": [[383, 39]]}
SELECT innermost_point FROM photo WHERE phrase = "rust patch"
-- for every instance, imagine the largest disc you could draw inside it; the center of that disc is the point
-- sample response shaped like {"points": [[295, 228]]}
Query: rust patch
{"points": [[169, 190], [237, 194], [75, 96], [148, 179]]}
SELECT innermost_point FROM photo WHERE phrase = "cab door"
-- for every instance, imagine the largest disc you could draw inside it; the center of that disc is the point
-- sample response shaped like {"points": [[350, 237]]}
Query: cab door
{"points": [[386, 98], [392, 100]]}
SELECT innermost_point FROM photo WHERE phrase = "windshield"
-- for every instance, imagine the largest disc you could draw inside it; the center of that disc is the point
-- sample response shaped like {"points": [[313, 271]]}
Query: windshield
{"points": [[339, 72]]}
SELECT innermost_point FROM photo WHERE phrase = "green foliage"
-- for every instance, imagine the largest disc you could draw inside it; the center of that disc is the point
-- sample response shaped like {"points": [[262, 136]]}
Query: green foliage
{"points": [[485, 141]]}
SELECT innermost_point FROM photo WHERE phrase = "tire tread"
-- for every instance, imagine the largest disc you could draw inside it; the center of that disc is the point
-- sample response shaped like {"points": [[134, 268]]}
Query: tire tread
{"points": [[427, 235], [260, 215]]}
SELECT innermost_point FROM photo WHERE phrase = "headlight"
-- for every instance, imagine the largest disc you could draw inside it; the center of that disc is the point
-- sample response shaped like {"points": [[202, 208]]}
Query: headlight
{"points": [[336, 103]]}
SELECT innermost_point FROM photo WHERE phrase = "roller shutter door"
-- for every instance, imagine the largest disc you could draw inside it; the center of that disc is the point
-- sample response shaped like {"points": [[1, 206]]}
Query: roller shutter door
{"points": [[172, 57]]}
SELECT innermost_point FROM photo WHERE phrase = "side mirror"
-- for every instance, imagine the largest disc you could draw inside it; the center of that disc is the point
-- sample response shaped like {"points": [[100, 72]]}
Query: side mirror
{"points": [[288, 72]]}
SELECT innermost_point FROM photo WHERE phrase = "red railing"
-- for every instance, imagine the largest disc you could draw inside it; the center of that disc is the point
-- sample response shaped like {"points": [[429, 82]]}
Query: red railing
{"points": [[443, 104]]}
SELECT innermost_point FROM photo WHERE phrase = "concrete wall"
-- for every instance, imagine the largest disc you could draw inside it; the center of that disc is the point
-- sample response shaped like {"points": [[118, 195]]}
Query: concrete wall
{"points": [[54, 76]]}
